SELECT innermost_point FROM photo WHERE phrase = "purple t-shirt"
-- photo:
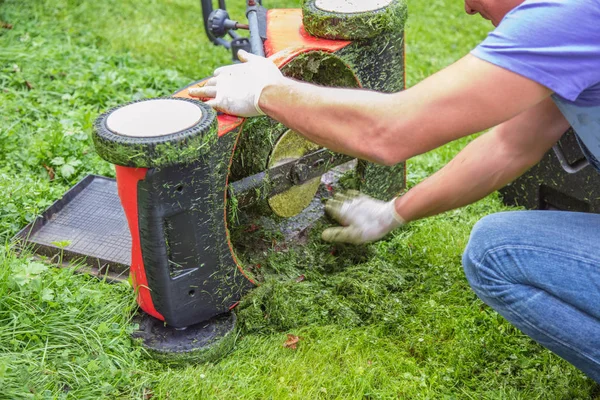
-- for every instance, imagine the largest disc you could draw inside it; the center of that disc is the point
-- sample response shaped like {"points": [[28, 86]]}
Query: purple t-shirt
{"points": [[553, 42], [557, 44]]}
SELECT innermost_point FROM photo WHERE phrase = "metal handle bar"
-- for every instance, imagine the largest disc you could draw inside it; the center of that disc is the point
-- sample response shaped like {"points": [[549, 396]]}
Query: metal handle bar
{"points": [[255, 39], [564, 163]]}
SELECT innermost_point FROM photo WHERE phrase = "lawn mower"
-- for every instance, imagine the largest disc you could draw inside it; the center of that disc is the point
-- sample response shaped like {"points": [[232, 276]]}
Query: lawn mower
{"points": [[200, 191]]}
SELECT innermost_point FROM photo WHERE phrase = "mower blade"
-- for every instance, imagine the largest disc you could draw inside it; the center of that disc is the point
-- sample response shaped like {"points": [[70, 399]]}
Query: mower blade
{"points": [[278, 179]]}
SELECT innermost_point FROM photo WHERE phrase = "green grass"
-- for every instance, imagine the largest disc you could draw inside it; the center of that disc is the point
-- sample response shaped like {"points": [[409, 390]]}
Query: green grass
{"points": [[395, 319]]}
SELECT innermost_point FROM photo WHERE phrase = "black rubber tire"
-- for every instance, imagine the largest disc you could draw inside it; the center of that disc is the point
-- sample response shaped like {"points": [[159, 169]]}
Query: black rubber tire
{"points": [[354, 26], [151, 152]]}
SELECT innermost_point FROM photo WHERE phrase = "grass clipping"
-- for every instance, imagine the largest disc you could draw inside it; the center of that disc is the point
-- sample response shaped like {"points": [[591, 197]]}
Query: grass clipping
{"points": [[351, 26]]}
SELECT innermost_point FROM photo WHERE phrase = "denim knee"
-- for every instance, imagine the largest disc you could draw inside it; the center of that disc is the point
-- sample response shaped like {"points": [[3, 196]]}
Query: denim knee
{"points": [[488, 234]]}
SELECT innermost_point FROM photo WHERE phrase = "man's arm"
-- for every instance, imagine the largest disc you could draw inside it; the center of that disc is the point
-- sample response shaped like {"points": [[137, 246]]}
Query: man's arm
{"points": [[469, 96], [487, 164]]}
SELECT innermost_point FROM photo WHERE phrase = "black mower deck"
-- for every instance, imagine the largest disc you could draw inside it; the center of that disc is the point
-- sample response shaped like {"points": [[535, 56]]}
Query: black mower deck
{"points": [[85, 227]]}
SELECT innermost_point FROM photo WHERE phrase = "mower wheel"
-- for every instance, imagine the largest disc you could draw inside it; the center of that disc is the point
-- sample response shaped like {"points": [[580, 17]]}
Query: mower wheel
{"points": [[156, 132], [353, 20]]}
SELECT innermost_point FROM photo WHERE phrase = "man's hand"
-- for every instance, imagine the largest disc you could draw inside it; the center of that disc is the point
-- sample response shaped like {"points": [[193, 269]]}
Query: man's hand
{"points": [[236, 89], [364, 219]]}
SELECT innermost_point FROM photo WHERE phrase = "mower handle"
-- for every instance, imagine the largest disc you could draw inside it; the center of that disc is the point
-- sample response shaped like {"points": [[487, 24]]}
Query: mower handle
{"points": [[256, 42], [207, 8], [253, 6]]}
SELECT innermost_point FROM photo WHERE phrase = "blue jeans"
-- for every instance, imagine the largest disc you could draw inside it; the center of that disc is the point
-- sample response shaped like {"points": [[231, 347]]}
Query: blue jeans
{"points": [[541, 271]]}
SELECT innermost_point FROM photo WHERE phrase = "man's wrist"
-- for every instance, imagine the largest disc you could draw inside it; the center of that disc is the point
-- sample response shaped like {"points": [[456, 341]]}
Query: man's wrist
{"points": [[396, 211], [257, 105], [269, 94]]}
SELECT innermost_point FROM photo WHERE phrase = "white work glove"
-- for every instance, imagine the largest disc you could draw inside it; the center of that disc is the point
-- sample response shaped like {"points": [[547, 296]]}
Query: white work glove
{"points": [[364, 219], [236, 89]]}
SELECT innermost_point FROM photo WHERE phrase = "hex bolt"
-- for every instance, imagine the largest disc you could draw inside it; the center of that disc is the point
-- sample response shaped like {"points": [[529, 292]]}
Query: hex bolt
{"points": [[300, 173]]}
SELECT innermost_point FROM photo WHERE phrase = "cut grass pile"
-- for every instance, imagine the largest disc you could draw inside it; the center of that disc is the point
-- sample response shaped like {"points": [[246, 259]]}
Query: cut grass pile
{"points": [[395, 319]]}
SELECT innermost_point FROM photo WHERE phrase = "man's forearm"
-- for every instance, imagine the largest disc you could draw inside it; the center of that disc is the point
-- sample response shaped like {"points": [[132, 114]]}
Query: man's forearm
{"points": [[488, 163], [343, 120], [482, 167], [389, 128], [475, 172]]}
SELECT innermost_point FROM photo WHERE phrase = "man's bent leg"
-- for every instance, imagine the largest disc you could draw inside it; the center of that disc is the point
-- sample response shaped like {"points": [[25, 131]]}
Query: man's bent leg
{"points": [[541, 271]]}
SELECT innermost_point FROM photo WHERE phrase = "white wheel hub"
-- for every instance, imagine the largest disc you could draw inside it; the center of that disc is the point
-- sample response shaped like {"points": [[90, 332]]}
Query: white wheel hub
{"points": [[351, 6], [153, 118]]}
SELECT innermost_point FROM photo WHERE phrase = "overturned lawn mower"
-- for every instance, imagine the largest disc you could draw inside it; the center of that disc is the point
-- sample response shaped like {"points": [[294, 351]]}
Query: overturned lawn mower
{"points": [[205, 195]]}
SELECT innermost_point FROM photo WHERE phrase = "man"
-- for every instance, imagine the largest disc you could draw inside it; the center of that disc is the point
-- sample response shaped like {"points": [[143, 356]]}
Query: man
{"points": [[537, 73]]}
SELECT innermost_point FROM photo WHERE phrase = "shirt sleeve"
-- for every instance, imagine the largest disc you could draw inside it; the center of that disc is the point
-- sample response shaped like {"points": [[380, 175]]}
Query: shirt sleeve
{"points": [[553, 42]]}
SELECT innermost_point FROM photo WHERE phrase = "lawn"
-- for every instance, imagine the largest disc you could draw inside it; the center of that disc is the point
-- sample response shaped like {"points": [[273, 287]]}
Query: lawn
{"points": [[396, 319]]}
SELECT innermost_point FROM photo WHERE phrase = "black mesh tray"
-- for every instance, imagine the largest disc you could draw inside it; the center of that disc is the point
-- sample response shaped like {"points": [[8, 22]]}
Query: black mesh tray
{"points": [[85, 228]]}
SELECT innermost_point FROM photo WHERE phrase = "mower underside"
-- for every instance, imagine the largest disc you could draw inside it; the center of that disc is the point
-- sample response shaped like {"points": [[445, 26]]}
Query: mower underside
{"points": [[88, 229]]}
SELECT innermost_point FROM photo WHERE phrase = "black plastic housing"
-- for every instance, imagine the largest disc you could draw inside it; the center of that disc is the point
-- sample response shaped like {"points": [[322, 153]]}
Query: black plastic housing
{"points": [[185, 248], [547, 186]]}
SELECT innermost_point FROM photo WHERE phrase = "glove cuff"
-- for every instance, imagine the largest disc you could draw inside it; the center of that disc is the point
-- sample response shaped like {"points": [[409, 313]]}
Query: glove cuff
{"points": [[258, 109], [398, 220], [259, 92]]}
